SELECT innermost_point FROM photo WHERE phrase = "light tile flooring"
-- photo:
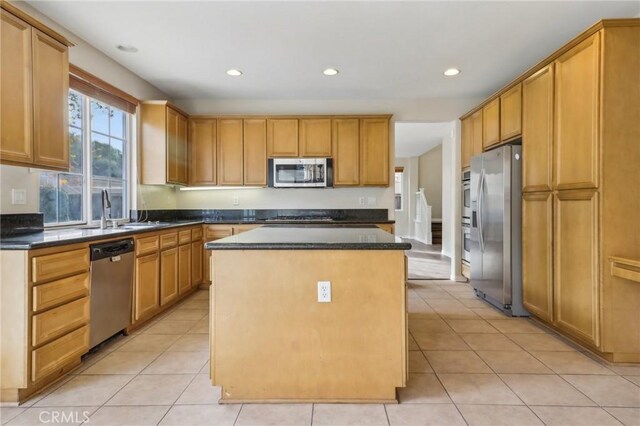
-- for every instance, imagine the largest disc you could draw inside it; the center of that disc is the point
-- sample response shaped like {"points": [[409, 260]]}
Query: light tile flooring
{"points": [[469, 364]]}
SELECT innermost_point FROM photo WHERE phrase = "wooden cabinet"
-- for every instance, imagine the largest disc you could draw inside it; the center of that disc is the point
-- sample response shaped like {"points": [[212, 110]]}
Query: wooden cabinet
{"points": [[52, 266], [55, 356], [230, 152], [315, 137], [184, 268], [346, 151], [537, 254], [577, 299], [282, 137], [212, 233], [57, 292], [537, 131], [146, 293], [34, 96], [374, 151], [466, 142], [197, 252], [511, 113], [491, 123], [202, 151], [16, 143], [168, 276], [476, 133], [577, 77], [163, 151], [255, 152], [59, 321]]}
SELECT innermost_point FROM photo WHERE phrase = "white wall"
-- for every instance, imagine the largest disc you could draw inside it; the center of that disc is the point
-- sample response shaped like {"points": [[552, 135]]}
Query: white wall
{"points": [[430, 178], [404, 219], [92, 60], [451, 198]]}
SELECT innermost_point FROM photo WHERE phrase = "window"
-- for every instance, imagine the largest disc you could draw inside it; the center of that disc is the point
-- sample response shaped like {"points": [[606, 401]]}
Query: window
{"points": [[399, 184], [99, 136]]}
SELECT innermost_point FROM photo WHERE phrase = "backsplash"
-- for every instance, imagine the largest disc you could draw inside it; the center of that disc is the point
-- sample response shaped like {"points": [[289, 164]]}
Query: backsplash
{"points": [[20, 223]]}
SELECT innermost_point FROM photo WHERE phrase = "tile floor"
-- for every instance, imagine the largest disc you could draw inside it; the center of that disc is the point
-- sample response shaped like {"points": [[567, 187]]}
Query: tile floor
{"points": [[468, 364]]}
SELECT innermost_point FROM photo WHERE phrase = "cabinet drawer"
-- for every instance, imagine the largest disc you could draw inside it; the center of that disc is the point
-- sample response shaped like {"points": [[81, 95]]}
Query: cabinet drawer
{"points": [[168, 240], [58, 321], [59, 353], [184, 237], [217, 232], [147, 245], [196, 234], [58, 265], [60, 291]]}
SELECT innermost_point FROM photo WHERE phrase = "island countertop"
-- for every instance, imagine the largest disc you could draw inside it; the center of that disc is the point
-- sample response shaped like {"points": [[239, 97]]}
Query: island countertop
{"points": [[311, 237]]}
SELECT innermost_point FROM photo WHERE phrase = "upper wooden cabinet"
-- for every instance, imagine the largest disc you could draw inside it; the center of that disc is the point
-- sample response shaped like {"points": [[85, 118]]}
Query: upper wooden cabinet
{"points": [[346, 151], [282, 137], [230, 152], [164, 144], [255, 152], [34, 87], [315, 137], [577, 77], [374, 151], [511, 113], [466, 141], [537, 131], [476, 133], [202, 151], [491, 123]]}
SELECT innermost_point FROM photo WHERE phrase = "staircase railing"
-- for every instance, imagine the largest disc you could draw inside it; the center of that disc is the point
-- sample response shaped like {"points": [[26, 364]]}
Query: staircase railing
{"points": [[422, 220]]}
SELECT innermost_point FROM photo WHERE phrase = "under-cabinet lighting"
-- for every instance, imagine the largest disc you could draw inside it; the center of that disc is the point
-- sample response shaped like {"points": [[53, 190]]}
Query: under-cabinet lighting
{"points": [[217, 188]]}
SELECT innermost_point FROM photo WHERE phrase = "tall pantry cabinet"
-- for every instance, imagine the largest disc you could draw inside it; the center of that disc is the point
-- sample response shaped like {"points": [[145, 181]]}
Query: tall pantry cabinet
{"points": [[581, 196]]}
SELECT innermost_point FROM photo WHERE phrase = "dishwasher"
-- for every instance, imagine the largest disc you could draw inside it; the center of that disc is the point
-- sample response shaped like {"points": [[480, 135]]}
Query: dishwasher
{"points": [[111, 289]]}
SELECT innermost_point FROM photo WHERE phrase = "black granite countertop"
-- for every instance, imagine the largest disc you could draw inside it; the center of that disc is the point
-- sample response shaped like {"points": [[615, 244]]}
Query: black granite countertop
{"points": [[311, 237]]}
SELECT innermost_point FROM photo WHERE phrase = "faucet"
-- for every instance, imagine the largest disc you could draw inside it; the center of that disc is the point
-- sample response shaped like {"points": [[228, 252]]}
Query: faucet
{"points": [[106, 205]]}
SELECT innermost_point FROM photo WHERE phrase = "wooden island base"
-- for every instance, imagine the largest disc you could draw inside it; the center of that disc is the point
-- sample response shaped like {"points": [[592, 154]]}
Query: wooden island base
{"points": [[272, 341]]}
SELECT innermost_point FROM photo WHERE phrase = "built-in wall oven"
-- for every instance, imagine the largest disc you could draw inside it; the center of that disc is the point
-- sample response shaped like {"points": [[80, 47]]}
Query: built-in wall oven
{"points": [[466, 217], [466, 240], [466, 194], [300, 172]]}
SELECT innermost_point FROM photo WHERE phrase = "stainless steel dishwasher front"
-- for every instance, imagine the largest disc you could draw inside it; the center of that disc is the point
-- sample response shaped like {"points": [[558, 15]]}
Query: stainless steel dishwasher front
{"points": [[111, 289]]}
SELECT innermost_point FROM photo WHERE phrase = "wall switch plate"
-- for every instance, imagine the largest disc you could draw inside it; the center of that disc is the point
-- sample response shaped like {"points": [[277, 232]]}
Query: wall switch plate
{"points": [[18, 196], [236, 200], [371, 201], [362, 201], [324, 291]]}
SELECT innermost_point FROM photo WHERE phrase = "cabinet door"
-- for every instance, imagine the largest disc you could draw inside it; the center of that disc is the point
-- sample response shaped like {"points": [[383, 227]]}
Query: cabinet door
{"points": [[537, 131], [466, 146], [168, 275], [315, 137], [537, 254], [181, 149], [491, 123], [476, 133], [511, 113], [147, 286], [346, 151], [577, 74], [255, 152], [16, 120], [184, 268], [173, 173], [230, 152], [576, 264], [282, 137], [202, 152], [50, 102], [196, 262], [374, 151]]}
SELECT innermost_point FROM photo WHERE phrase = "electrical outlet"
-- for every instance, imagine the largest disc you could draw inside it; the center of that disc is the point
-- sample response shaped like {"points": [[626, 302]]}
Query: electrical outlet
{"points": [[236, 200], [361, 201], [371, 201], [324, 291], [18, 196]]}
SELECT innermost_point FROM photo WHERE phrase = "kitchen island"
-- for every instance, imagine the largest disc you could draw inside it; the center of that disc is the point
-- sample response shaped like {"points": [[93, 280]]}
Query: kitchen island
{"points": [[273, 340]]}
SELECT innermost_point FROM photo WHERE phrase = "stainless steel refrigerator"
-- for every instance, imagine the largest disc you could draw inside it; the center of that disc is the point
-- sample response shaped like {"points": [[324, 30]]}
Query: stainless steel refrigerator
{"points": [[496, 228]]}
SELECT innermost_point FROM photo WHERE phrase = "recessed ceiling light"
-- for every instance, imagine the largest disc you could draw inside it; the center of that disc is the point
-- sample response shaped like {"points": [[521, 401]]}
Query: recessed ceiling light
{"points": [[330, 71], [127, 48], [234, 72], [451, 72]]}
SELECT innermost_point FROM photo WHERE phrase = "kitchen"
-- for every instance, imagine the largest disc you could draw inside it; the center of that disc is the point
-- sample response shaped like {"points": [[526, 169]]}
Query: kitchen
{"points": [[192, 191]]}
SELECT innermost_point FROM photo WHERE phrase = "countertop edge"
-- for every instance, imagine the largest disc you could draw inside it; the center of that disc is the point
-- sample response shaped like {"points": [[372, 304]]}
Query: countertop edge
{"points": [[307, 246]]}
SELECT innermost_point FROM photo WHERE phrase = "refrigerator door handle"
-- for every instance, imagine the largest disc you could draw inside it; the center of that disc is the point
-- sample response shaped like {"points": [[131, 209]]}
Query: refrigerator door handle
{"points": [[480, 207]]}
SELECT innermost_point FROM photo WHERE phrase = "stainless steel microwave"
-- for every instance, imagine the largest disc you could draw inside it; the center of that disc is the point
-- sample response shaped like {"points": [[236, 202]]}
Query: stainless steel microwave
{"points": [[300, 172]]}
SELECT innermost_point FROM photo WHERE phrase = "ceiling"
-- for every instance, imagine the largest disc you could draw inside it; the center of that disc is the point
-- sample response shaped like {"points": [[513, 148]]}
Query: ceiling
{"points": [[384, 50], [414, 139]]}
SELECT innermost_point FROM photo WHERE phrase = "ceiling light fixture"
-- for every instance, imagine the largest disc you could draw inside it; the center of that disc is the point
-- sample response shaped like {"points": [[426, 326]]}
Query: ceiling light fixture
{"points": [[234, 72], [451, 72], [127, 48], [330, 71]]}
